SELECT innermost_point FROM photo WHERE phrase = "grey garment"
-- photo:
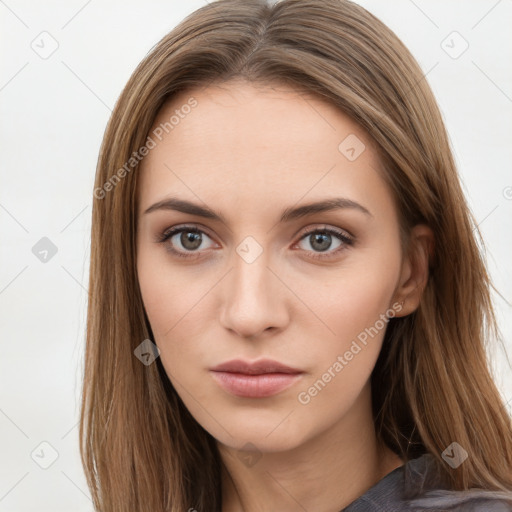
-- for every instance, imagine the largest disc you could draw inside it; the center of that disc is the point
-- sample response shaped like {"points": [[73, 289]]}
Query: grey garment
{"points": [[417, 486]]}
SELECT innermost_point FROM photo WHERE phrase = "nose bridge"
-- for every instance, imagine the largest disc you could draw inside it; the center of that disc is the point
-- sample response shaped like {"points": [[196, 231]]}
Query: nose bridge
{"points": [[253, 300], [251, 279]]}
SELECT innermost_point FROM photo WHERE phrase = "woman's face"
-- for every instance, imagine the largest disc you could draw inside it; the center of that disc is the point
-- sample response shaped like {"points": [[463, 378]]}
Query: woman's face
{"points": [[261, 276]]}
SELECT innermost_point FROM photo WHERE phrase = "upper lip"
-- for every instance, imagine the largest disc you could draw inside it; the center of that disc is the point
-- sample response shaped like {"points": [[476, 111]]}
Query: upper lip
{"points": [[254, 368]]}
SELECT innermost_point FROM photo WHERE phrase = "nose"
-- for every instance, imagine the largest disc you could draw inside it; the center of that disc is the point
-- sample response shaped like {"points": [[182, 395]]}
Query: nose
{"points": [[254, 298]]}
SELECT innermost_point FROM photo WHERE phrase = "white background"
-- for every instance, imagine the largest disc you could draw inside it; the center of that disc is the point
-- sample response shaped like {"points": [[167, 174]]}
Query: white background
{"points": [[54, 112]]}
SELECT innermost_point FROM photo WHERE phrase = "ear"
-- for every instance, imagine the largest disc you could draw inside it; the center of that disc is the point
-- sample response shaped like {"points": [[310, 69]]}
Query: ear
{"points": [[415, 269]]}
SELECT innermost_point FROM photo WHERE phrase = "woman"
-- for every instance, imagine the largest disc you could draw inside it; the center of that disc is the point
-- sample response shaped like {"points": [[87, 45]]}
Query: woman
{"points": [[288, 305]]}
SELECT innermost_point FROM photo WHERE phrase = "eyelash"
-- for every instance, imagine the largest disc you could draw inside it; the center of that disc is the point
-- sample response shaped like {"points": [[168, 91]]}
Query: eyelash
{"points": [[346, 240]]}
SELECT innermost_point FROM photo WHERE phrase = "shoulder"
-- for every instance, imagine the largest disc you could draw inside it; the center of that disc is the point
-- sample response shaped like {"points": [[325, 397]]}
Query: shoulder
{"points": [[460, 504], [490, 505], [418, 486], [428, 492]]}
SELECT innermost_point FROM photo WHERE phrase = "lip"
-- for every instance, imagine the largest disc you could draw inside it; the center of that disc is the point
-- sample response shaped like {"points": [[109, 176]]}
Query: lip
{"points": [[259, 367], [258, 379]]}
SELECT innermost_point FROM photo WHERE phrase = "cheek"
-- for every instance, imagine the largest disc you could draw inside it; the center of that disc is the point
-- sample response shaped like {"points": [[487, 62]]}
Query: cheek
{"points": [[353, 298], [357, 309], [157, 295], [175, 303], [355, 306], [359, 304], [166, 294]]}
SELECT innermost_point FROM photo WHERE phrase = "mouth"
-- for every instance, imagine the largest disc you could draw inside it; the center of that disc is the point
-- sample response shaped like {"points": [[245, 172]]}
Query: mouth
{"points": [[257, 379]]}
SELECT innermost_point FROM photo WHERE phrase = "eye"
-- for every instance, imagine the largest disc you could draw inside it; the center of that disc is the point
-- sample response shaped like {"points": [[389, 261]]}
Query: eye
{"points": [[320, 241], [181, 240], [188, 241]]}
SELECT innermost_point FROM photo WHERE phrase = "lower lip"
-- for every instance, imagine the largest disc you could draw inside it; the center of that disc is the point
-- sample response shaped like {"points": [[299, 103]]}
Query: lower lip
{"points": [[255, 386]]}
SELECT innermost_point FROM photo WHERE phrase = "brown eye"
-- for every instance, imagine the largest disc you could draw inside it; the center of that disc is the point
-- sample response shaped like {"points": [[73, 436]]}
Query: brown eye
{"points": [[190, 240]]}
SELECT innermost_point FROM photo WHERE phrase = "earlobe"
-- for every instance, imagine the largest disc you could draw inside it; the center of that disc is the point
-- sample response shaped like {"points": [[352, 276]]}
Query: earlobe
{"points": [[415, 269]]}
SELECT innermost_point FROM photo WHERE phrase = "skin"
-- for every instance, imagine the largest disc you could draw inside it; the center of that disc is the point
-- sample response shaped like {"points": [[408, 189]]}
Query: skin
{"points": [[248, 152]]}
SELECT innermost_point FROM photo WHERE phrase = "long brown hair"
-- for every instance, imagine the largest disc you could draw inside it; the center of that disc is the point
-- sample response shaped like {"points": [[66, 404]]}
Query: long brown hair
{"points": [[141, 448]]}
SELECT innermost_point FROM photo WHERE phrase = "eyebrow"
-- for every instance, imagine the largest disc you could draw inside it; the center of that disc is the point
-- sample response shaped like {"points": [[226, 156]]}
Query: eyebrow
{"points": [[289, 214]]}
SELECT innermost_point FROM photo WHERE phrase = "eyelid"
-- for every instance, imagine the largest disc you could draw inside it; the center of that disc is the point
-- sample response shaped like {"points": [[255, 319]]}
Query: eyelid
{"points": [[329, 229], [346, 241], [346, 238], [170, 231]]}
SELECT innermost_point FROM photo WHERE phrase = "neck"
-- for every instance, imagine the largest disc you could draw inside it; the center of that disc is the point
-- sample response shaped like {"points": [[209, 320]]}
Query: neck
{"points": [[325, 473]]}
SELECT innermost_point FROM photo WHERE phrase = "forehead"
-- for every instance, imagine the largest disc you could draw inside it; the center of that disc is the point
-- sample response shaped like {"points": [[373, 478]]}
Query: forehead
{"points": [[254, 114], [245, 141]]}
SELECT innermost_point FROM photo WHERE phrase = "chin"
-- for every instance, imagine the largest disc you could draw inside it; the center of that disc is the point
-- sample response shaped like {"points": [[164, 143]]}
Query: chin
{"points": [[267, 432]]}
